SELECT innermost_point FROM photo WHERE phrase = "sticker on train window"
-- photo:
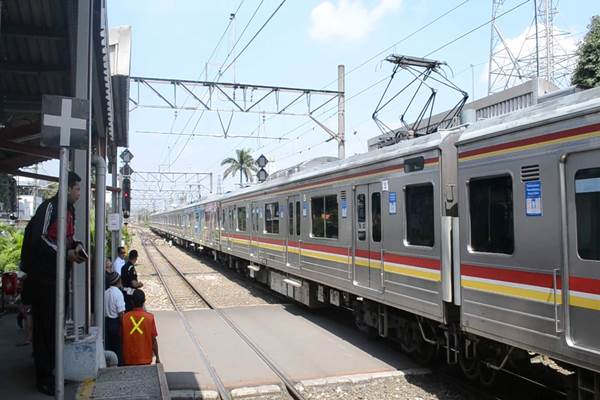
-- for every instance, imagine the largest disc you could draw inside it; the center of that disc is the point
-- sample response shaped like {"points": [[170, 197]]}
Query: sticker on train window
{"points": [[589, 185], [304, 209], [533, 198], [392, 199], [344, 208], [385, 185]]}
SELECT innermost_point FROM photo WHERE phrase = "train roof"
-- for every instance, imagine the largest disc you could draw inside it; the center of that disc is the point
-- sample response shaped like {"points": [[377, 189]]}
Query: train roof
{"points": [[555, 109], [312, 170]]}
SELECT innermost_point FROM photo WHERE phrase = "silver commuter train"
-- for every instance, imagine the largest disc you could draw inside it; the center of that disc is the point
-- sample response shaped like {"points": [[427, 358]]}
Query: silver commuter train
{"points": [[483, 240]]}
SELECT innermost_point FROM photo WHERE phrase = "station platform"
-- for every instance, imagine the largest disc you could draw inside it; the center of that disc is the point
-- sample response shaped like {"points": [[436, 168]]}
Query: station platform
{"points": [[17, 372]]}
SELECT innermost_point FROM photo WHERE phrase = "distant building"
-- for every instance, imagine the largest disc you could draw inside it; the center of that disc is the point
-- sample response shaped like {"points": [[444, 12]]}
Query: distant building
{"points": [[27, 206]]}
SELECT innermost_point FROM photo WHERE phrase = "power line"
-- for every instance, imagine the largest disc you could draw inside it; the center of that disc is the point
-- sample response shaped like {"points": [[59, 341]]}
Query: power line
{"points": [[207, 61], [423, 27], [223, 72], [255, 35], [241, 35], [434, 51], [404, 39], [476, 28]]}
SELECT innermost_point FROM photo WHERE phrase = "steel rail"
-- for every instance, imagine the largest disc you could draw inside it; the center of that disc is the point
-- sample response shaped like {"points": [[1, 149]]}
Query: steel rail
{"points": [[280, 374], [223, 392]]}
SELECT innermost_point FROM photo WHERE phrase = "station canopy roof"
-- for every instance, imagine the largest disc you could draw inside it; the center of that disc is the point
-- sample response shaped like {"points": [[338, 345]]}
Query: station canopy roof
{"points": [[37, 57]]}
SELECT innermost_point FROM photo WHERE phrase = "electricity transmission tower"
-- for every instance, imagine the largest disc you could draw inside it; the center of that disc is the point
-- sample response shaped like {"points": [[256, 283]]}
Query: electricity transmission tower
{"points": [[538, 53]]}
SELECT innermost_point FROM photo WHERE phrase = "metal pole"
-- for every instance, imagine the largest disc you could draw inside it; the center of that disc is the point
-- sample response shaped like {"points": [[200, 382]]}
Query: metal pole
{"points": [[211, 183], [100, 240], [341, 113], [115, 206], [537, 40], [61, 261]]}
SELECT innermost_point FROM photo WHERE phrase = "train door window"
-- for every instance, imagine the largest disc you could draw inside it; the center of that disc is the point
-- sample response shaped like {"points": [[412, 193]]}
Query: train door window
{"points": [[325, 216], [361, 215], [419, 215], [272, 217], [491, 214], [376, 216], [587, 207], [298, 219], [241, 219], [291, 218]]}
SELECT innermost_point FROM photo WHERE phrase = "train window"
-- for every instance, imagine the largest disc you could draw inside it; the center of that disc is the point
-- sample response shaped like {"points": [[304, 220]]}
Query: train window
{"points": [[325, 216], [587, 207], [491, 212], [272, 217], [291, 218], [419, 215], [241, 219], [360, 207], [376, 216], [414, 164], [298, 220]]}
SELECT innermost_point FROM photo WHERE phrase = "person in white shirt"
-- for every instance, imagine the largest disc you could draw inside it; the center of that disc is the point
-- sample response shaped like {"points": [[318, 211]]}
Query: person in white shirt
{"points": [[114, 306], [119, 261]]}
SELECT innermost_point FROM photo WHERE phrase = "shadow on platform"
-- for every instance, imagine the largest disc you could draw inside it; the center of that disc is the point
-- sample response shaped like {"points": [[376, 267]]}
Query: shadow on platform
{"points": [[17, 374]]}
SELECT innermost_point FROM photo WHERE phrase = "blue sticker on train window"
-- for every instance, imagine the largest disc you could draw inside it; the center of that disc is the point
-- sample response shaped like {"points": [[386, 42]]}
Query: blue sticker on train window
{"points": [[344, 208], [304, 209], [533, 198], [392, 199]]}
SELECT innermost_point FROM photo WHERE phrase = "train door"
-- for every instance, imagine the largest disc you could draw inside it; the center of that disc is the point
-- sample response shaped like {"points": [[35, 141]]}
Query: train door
{"points": [[582, 174], [254, 230], [368, 249], [293, 232]]}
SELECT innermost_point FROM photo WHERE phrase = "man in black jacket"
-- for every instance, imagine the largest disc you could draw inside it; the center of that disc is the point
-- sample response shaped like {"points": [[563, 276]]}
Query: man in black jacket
{"points": [[40, 263]]}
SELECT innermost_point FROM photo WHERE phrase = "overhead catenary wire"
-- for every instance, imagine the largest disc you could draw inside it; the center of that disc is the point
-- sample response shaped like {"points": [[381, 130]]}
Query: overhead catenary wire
{"points": [[254, 37], [212, 54], [220, 74], [428, 24], [357, 67], [454, 40]]}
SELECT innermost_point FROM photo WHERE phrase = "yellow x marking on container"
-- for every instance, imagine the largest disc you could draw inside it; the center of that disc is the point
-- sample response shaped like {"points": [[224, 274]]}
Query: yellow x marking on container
{"points": [[136, 325]]}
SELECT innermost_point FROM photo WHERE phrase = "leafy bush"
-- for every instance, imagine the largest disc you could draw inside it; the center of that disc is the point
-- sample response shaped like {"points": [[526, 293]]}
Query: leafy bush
{"points": [[11, 240]]}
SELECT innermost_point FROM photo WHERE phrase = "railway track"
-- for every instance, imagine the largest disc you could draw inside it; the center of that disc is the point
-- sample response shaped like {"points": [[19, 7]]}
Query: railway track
{"points": [[169, 274]]}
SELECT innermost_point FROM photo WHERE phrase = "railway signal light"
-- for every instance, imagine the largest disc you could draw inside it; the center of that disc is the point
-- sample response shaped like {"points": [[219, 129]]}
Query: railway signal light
{"points": [[126, 187]]}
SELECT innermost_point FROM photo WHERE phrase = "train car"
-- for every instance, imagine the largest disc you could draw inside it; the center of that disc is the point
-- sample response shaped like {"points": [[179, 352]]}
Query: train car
{"points": [[529, 190], [482, 240]]}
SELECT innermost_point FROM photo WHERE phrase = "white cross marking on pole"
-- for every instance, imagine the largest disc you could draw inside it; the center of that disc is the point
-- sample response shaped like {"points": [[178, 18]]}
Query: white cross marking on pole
{"points": [[65, 122]]}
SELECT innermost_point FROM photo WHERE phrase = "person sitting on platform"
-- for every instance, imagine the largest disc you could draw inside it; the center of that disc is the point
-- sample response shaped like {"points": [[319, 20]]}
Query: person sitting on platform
{"points": [[139, 333], [114, 307], [129, 279]]}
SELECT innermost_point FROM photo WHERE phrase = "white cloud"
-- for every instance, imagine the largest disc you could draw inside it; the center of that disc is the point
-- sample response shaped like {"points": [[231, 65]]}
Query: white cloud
{"points": [[349, 19]]}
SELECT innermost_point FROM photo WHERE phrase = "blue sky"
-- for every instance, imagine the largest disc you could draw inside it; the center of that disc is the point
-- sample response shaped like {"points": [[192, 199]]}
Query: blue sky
{"points": [[302, 46]]}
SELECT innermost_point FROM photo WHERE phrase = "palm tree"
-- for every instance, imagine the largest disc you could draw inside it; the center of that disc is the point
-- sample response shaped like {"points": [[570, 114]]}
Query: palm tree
{"points": [[244, 163]]}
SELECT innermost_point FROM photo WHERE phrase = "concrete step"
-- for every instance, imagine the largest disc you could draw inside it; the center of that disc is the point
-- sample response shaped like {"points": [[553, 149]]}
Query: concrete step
{"points": [[127, 383]]}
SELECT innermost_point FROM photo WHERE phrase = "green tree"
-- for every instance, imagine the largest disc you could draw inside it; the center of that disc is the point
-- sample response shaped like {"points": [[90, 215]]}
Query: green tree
{"points": [[587, 72], [244, 163]]}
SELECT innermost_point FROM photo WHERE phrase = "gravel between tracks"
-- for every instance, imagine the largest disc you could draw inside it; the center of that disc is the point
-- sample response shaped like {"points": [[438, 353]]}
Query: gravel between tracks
{"points": [[412, 387], [222, 287]]}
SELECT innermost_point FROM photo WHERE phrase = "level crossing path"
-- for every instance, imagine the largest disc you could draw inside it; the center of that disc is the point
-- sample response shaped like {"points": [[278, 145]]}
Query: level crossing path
{"points": [[285, 342]]}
